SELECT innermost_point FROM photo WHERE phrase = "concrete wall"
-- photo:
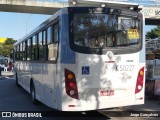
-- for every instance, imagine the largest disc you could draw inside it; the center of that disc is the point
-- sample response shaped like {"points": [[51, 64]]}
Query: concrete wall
{"points": [[35, 7]]}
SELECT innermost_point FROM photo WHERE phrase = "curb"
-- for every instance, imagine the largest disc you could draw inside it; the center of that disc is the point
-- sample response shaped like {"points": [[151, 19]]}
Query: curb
{"points": [[6, 76], [2, 77]]}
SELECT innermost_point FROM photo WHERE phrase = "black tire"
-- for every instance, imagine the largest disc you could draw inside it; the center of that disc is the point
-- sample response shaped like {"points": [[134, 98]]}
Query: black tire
{"points": [[33, 94], [17, 81], [151, 96]]}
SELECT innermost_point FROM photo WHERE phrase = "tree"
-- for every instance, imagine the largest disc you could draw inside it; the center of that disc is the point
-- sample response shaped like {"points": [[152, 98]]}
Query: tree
{"points": [[10, 41], [7, 47], [153, 33], [157, 31]]}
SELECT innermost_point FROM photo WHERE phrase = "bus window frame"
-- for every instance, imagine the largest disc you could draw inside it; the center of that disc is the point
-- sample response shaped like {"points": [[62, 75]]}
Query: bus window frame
{"points": [[32, 54], [53, 42], [100, 51]]}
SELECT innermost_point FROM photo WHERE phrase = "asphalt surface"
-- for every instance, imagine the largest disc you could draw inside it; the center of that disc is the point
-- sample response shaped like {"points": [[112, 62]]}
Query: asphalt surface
{"points": [[14, 99]]}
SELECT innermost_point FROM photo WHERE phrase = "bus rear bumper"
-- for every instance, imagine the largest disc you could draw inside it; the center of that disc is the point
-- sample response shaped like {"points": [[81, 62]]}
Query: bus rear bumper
{"points": [[87, 105]]}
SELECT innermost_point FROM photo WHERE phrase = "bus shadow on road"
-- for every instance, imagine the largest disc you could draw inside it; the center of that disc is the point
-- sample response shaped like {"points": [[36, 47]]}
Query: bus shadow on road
{"points": [[53, 113], [89, 115]]}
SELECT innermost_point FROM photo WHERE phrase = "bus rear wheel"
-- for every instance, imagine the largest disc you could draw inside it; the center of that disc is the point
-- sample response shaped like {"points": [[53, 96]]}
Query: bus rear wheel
{"points": [[33, 94]]}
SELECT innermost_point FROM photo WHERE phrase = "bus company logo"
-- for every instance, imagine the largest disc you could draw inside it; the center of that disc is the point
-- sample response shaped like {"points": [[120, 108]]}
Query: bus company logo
{"points": [[6, 114], [110, 55], [23, 114]]}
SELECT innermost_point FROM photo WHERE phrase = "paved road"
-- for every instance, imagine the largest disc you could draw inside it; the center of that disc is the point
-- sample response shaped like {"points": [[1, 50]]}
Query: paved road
{"points": [[13, 98]]}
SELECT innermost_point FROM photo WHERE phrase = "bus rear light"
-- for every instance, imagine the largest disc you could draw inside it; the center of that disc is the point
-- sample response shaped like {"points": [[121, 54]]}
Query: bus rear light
{"points": [[139, 87], [70, 84], [140, 79], [72, 92], [70, 76], [141, 73]]}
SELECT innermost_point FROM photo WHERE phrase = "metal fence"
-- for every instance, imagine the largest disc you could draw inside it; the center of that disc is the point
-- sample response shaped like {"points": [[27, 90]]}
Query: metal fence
{"points": [[153, 69]]}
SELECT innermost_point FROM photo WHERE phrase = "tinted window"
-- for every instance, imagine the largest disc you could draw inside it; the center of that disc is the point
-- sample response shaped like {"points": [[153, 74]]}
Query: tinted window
{"points": [[49, 35], [40, 46], [21, 51], [55, 33], [105, 30]]}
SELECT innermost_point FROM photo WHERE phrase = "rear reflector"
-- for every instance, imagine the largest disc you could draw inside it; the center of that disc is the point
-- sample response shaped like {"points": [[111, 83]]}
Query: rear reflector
{"points": [[71, 105]]}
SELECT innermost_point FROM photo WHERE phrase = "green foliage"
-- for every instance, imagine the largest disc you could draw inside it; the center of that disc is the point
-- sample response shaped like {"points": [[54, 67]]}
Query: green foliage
{"points": [[7, 47], [153, 33], [157, 31], [10, 41]]}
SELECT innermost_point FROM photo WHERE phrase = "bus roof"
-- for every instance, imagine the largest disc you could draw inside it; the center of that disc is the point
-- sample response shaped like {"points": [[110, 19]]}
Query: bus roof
{"points": [[98, 3]]}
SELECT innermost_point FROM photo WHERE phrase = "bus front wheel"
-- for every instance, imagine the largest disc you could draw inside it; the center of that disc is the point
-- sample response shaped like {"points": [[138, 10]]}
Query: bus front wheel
{"points": [[33, 94]]}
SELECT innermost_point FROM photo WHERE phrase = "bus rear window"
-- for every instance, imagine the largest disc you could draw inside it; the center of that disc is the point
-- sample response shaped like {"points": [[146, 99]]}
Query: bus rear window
{"points": [[105, 30]]}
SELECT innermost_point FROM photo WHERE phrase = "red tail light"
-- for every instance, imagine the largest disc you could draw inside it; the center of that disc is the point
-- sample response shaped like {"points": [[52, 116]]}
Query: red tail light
{"points": [[70, 84], [140, 79]]}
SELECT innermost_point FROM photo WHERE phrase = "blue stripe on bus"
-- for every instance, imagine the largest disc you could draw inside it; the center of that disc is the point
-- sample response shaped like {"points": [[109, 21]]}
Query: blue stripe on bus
{"points": [[68, 56]]}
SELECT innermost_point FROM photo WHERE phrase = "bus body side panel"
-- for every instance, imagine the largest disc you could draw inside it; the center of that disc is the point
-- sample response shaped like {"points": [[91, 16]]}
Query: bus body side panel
{"points": [[23, 71], [36, 70], [27, 75], [43, 76], [17, 69], [49, 84]]}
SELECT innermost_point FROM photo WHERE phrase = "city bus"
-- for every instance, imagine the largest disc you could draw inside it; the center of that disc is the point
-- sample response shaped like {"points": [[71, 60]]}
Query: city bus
{"points": [[84, 58]]}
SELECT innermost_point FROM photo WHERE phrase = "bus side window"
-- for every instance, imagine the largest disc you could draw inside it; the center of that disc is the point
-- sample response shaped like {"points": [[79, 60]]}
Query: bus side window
{"points": [[34, 48], [45, 47], [56, 39], [21, 51], [17, 52], [24, 51], [55, 33], [40, 43], [52, 48], [29, 49]]}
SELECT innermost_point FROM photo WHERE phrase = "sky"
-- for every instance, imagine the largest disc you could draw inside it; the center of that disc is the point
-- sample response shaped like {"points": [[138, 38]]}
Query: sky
{"points": [[17, 25]]}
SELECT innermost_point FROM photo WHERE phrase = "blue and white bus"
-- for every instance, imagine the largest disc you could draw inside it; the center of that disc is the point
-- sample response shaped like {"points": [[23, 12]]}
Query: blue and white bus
{"points": [[84, 58]]}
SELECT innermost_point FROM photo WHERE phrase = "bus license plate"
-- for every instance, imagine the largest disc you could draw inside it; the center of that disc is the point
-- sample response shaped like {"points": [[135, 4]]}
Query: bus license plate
{"points": [[106, 92]]}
